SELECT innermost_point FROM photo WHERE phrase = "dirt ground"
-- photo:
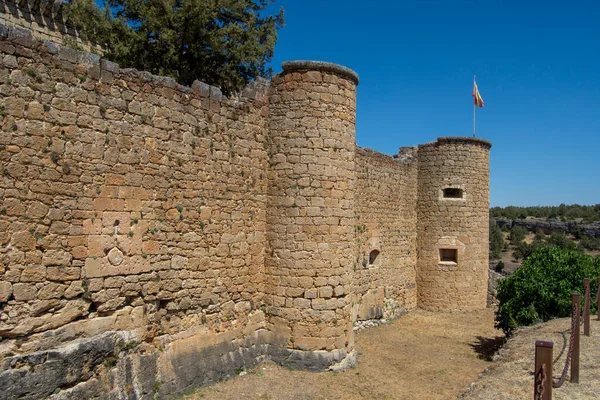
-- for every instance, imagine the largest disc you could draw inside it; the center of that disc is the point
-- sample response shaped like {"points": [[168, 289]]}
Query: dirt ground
{"points": [[421, 355], [511, 377]]}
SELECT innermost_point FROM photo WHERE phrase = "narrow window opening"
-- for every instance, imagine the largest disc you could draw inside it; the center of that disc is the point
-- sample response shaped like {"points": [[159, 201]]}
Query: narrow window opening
{"points": [[449, 255], [453, 193], [373, 256]]}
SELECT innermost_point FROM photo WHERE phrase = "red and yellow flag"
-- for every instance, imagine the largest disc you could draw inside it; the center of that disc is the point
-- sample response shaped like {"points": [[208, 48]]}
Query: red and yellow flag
{"points": [[477, 100]]}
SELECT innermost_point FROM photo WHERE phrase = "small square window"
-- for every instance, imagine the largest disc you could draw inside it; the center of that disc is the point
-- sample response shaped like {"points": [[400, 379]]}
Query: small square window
{"points": [[449, 255], [453, 193]]}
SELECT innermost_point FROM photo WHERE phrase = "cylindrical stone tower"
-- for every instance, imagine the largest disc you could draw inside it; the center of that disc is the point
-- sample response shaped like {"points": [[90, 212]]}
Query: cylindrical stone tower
{"points": [[310, 214], [452, 223]]}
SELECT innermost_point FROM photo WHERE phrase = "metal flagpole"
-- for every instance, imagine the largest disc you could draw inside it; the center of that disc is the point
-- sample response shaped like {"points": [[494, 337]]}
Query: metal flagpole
{"points": [[474, 106]]}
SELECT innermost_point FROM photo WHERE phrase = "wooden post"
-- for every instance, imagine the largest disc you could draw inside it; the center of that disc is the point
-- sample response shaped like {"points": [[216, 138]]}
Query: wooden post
{"points": [[542, 377], [586, 308], [575, 356], [598, 300]]}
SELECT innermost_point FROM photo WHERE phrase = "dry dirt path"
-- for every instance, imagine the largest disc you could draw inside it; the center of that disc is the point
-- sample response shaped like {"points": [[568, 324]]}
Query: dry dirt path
{"points": [[511, 377], [421, 355]]}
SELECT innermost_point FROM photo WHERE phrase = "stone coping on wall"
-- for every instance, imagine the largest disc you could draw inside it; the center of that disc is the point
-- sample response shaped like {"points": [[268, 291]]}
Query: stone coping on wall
{"points": [[305, 65], [459, 139]]}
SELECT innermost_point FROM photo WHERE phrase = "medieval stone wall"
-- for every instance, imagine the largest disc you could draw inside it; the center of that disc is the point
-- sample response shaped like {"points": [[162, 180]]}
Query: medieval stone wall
{"points": [[43, 18], [156, 237], [385, 228], [127, 193]]}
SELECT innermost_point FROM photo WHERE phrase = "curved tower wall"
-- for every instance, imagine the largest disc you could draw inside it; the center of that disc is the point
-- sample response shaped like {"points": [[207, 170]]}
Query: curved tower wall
{"points": [[452, 224], [310, 213]]}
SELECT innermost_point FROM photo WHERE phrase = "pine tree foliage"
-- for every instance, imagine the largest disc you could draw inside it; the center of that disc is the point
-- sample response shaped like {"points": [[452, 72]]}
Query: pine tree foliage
{"points": [[225, 43]]}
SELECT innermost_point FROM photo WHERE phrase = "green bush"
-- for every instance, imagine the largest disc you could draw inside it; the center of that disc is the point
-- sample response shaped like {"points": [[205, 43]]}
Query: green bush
{"points": [[500, 266], [517, 234], [496, 241], [590, 243], [542, 287]]}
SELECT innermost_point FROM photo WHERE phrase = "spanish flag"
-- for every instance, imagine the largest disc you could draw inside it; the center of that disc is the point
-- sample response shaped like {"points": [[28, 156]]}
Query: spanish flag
{"points": [[477, 100]]}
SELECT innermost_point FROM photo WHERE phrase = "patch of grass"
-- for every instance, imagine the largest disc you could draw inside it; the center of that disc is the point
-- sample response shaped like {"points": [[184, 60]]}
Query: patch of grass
{"points": [[54, 157], [34, 74], [110, 362]]}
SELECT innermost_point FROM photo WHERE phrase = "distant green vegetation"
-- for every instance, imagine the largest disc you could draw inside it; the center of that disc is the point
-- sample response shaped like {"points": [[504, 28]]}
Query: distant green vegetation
{"points": [[542, 287], [563, 211], [496, 241], [590, 243], [523, 249]]}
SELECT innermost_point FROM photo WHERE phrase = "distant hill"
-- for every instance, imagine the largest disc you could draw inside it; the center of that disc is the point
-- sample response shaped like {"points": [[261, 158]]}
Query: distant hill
{"points": [[549, 226], [563, 212]]}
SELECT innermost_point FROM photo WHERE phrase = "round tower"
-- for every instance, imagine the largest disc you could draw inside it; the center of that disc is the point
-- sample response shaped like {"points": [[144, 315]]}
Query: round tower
{"points": [[310, 213], [452, 223]]}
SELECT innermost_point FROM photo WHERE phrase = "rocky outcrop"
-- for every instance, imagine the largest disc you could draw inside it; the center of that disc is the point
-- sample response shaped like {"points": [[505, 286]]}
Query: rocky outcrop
{"points": [[493, 279], [552, 225]]}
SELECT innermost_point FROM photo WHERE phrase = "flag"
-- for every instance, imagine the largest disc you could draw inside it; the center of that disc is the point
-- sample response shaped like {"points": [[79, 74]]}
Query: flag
{"points": [[477, 100]]}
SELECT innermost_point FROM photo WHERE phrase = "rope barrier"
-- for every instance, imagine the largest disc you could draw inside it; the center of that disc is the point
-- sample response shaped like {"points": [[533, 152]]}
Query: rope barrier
{"points": [[558, 381]]}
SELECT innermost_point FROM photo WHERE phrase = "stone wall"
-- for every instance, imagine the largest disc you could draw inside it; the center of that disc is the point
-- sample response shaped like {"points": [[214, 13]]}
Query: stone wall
{"points": [[43, 18], [385, 226], [127, 198], [459, 224], [156, 237]]}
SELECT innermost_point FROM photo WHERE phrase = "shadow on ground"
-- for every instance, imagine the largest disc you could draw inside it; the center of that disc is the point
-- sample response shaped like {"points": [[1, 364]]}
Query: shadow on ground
{"points": [[487, 347]]}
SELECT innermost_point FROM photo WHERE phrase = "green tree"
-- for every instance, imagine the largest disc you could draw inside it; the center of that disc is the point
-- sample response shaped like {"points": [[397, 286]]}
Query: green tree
{"points": [[496, 240], [590, 243], [500, 266], [517, 234], [560, 240], [225, 43], [541, 288]]}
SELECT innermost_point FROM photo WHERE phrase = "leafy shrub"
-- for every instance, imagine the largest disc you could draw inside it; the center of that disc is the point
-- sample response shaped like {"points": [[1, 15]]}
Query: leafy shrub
{"points": [[559, 239], [496, 241], [542, 287], [500, 266], [590, 243], [517, 234]]}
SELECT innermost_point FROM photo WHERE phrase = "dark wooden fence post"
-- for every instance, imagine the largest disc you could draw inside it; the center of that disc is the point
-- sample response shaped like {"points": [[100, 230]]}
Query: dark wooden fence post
{"points": [[586, 307], [575, 333], [598, 300], [542, 377]]}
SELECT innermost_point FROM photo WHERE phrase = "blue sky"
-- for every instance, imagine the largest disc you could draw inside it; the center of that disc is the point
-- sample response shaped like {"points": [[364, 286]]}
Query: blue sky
{"points": [[538, 71]]}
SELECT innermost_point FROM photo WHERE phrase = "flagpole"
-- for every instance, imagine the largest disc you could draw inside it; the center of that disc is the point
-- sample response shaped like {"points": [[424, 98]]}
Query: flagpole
{"points": [[474, 108]]}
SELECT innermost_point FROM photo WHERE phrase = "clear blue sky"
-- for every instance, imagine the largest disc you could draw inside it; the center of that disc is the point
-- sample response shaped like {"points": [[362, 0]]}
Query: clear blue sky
{"points": [[538, 71]]}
